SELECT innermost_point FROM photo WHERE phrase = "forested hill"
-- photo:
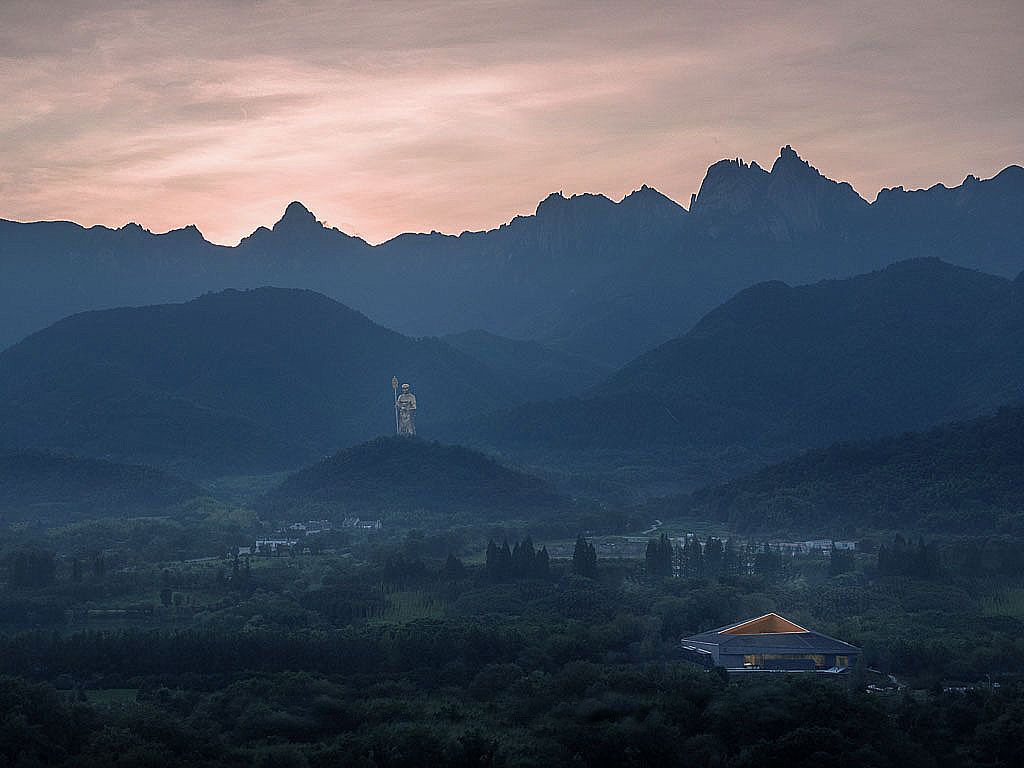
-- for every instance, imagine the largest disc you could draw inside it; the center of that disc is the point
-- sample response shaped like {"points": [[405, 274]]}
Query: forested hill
{"points": [[959, 478], [238, 382], [47, 488], [402, 476], [777, 369]]}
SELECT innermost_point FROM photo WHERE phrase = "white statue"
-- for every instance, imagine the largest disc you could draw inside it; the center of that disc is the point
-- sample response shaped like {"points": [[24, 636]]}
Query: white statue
{"points": [[405, 408]]}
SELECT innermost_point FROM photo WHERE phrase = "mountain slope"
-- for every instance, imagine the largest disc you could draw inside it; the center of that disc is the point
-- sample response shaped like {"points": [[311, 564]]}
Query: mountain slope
{"points": [[46, 488], [913, 344], [232, 382], [961, 477], [401, 476], [778, 369]]}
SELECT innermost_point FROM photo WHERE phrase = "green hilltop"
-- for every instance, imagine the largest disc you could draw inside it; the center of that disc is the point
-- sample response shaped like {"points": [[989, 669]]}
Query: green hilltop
{"points": [[400, 476]]}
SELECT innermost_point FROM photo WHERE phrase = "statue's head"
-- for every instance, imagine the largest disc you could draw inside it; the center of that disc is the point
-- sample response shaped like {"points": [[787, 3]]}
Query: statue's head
{"points": [[405, 388]]}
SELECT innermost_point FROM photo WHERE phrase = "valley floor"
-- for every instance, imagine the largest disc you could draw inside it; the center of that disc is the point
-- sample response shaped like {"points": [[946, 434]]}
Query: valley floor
{"points": [[385, 653]]}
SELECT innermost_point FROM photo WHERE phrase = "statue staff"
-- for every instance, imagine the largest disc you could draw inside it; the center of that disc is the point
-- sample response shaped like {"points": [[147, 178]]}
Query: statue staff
{"points": [[394, 386]]}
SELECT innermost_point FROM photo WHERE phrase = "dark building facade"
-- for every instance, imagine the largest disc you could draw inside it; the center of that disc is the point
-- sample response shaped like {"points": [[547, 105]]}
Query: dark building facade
{"points": [[770, 643]]}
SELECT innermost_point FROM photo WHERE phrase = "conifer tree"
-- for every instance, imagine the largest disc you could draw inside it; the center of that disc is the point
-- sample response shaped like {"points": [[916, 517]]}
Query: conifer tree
{"points": [[651, 558], [523, 556], [542, 564], [584, 558], [714, 557], [693, 559], [491, 564], [504, 561], [659, 556], [665, 555], [453, 568], [579, 555]]}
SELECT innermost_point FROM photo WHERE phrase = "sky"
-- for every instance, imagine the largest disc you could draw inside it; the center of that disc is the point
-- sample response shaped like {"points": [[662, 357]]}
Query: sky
{"points": [[386, 117]]}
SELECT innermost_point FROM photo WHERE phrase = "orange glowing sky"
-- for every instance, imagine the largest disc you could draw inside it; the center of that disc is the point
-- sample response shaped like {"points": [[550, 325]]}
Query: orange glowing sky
{"points": [[384, 117]]}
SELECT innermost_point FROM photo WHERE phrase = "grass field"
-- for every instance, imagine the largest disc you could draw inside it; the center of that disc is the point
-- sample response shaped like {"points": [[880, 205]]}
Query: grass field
{"points": [[407, 605]]}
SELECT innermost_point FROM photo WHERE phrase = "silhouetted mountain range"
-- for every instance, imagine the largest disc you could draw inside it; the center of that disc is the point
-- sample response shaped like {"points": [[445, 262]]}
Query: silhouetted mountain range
{"points": [[777, 369], [402, 476], [231, 382], [585, 274], [45, 488], [269, 379], [962, 477]]}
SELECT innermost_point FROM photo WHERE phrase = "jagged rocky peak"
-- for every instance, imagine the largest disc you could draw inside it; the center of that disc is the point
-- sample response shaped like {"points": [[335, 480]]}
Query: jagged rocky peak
{"points": [[733, 173], [558, 204], [734, 168], [788, 158], [550, 202], [296, 216], [296, 223], [791, 175], [187, 233], [789, 167], [648, 195], [648, 202], [793, 197], [730, 185], [644, 192]]}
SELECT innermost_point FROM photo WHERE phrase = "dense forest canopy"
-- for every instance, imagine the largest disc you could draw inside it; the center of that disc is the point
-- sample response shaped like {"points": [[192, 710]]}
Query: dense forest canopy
{"points": [[959, 477], [396, 475]]}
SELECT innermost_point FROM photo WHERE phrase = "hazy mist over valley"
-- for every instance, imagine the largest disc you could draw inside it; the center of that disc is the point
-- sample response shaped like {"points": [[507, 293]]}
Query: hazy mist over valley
{"points": [[727, 479]]}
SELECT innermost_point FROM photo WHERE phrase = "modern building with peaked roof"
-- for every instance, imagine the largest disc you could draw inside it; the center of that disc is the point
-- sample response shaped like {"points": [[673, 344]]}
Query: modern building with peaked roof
{"points": [[770, 643]]}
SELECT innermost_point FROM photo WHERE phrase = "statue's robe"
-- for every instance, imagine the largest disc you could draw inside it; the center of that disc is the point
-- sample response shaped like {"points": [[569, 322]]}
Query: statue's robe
{"points": [[406, 414]]}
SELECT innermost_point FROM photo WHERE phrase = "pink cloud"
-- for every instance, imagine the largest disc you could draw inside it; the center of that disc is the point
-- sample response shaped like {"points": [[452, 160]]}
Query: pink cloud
{"points": [[393, 117]]}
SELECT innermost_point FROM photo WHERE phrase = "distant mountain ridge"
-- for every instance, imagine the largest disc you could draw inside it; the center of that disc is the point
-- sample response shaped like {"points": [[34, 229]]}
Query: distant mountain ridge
{"points": [[603, 279]]}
